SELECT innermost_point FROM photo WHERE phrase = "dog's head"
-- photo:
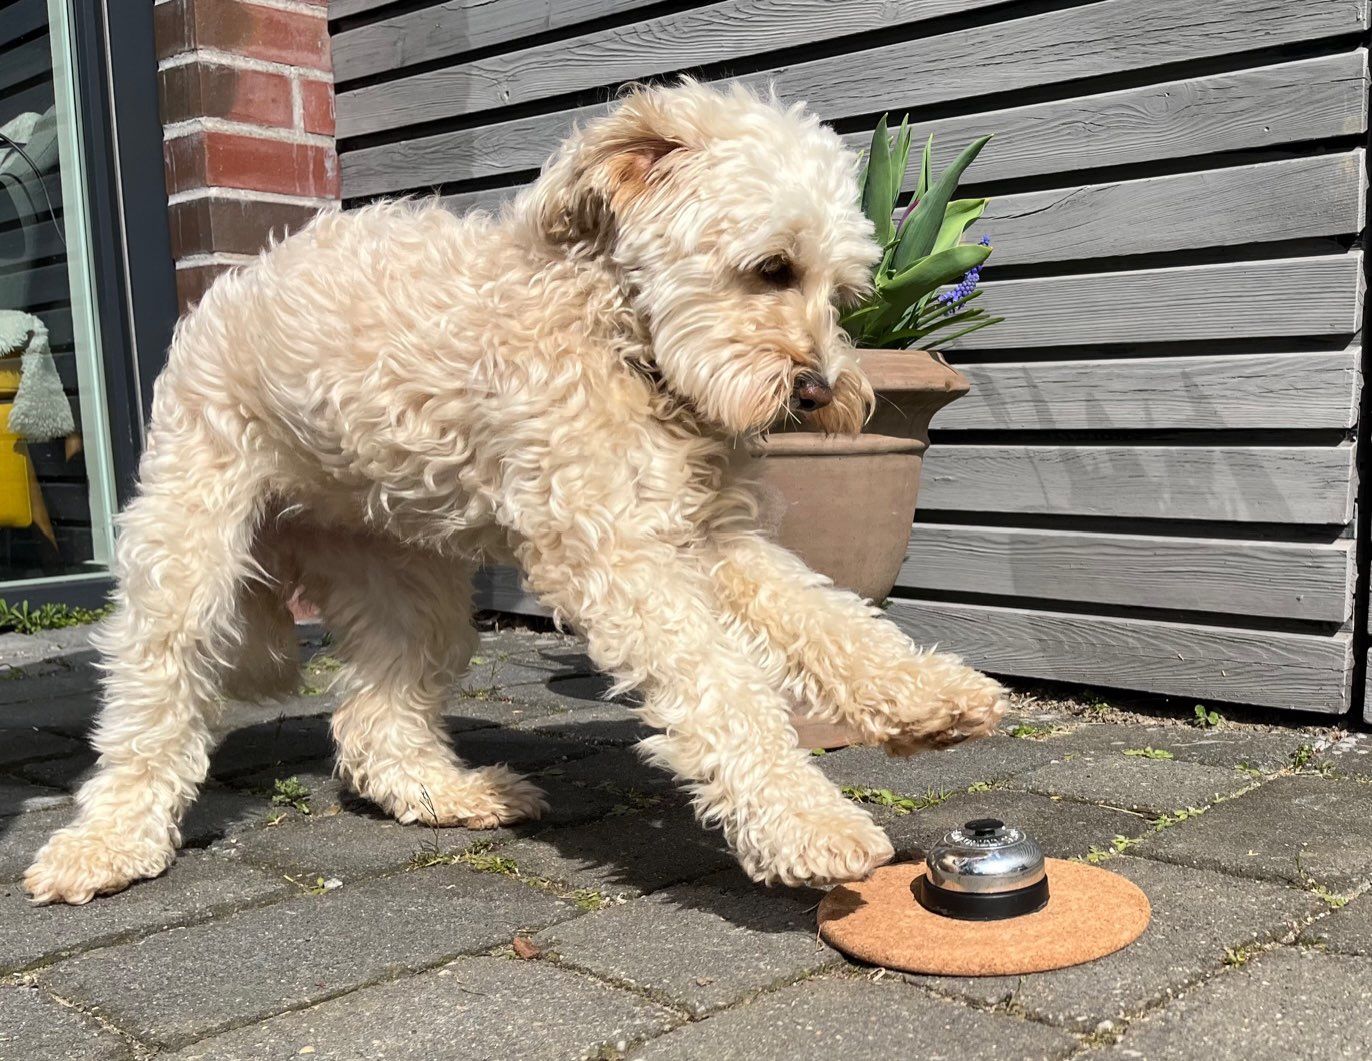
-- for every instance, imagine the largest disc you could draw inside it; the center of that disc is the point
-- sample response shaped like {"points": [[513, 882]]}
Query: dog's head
{"points": [[735, 226]]}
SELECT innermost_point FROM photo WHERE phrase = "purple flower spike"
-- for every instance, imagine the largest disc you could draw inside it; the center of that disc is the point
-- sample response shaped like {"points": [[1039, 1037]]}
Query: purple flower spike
{"points": [[985, 241]]}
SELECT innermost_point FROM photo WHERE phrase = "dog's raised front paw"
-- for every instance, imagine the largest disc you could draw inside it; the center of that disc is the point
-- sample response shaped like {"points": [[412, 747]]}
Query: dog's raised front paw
{"points": [[934, 700], [817, 847], [77, 864]]}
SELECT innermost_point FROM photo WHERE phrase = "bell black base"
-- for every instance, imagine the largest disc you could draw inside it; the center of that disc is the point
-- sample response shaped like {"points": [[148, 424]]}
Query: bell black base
{"points": [[967, 906]]}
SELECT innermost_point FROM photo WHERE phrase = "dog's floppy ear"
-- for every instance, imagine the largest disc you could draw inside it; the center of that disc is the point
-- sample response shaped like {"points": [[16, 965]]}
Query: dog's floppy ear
{"points": [[601, 170]]}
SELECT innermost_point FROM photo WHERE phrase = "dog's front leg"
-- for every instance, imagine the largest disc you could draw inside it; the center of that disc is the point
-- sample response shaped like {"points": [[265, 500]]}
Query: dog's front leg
{"points": [[846, 661], [651, 619]]}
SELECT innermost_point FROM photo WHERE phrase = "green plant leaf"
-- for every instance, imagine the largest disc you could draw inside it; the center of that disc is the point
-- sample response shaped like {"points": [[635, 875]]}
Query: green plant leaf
{"points": [[960, 214], [973, 328], [879, 187], [922, 188], [932, 272], [920, 233]]}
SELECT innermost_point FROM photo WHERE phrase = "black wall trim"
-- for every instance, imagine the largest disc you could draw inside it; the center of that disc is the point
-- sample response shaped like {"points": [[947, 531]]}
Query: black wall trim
{"points": [[116, 72]]}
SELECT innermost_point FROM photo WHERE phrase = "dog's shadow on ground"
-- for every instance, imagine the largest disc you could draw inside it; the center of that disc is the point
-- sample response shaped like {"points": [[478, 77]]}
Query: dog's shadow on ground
{"points": [[617, 825]]}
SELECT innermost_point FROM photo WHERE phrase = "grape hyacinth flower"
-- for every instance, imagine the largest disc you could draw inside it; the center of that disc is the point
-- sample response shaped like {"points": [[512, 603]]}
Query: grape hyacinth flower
{"points": [[965, 287]]}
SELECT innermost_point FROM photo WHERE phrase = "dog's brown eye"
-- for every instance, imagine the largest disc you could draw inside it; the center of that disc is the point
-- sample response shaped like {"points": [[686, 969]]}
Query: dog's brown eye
{"points": [[776, 271]]}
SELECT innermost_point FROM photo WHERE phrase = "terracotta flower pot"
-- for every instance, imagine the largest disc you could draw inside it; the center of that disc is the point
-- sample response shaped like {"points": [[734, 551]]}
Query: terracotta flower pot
{"points": [[845, 505]]}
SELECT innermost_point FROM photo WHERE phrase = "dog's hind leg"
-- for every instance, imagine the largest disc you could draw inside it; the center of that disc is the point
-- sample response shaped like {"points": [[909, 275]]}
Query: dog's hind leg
{"points": [[183, 553], [402, 619], [843, 658], [265, 662]]}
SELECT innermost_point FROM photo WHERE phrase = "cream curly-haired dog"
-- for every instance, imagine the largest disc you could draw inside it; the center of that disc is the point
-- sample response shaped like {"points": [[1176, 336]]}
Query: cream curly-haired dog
{"points": [[391, 395]]}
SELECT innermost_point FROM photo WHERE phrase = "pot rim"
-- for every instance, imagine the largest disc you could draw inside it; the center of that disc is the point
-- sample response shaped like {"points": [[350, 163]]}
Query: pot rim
{"points": [[911, 370], [814, 444]]}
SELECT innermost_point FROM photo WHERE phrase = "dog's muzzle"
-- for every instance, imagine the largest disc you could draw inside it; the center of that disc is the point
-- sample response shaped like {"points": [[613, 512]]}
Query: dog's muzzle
{"points": [[810, 393]]}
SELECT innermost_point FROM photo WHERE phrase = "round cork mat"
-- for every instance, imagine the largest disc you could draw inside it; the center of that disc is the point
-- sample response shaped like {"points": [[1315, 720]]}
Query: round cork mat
{"points": [[1090, 913]]}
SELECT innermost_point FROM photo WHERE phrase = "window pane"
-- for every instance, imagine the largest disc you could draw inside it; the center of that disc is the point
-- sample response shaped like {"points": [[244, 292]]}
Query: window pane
{"points": [[54, 478]]}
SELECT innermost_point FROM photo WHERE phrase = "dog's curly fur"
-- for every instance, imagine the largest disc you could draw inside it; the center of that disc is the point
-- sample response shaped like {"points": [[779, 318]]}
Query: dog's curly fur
{"points": [[395, 394]]}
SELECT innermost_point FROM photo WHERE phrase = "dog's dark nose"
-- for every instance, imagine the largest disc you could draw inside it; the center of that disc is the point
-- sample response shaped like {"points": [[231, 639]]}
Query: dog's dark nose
{"points": [[811, 392]]}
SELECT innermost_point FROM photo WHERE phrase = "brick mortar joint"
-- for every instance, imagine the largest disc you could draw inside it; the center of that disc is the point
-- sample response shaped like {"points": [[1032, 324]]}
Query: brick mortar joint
{"points": [[204, 56], [206, 124], [249, 195]]}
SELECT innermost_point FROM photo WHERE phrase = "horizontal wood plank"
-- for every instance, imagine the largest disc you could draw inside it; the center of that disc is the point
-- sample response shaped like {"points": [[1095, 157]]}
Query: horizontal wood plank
{"points": [[1293, 296], [681, 41], [1266, 484], [1296, 671], [1311, 581], [1238, 391], [1293, 199], [990, 58], [345, 8], [456, 27], [1263, 107]]}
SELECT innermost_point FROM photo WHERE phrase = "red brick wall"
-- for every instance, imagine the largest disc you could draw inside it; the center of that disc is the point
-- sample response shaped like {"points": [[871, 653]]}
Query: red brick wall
{"points": [[247, 113]]}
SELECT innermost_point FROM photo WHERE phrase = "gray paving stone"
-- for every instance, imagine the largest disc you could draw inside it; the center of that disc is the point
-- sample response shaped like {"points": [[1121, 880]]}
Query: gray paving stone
{"points": [[953, 770], [240, 714], [1228, 746], [828, 1019], [461, 714], [611, 724], [518, 750], [20, 650], [1062, 828], [490, 672], [702, 945], [17, 796], [476, 1009], [619, 769], [268, 744], [628, 854], [34, 1025], [345, 845], [1197, 915], [1345, 931], [1148, 786], [1296, 829], [187, 983], [19, 688], [69, 713], [23, 745], [22, 835], [570, 804], [326, 792], [569, 692], [196, 885], [1350, 756], [65, 773], [216, 813], [1289, 1005]]}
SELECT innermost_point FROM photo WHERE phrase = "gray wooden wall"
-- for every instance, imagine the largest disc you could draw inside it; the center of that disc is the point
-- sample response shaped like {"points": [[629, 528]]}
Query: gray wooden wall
{"points": [[1152, 483]]}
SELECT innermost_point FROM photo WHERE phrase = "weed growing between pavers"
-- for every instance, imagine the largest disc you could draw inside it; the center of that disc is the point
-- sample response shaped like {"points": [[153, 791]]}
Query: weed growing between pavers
{"points": [[1028, 731], [1149, 753], [1118, 846], [901, 804], [485, 857], [315, 681], [290, 793], [1207, 719]]}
